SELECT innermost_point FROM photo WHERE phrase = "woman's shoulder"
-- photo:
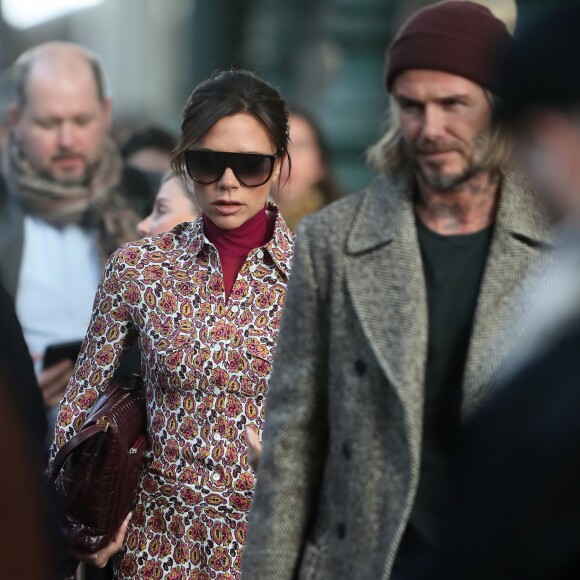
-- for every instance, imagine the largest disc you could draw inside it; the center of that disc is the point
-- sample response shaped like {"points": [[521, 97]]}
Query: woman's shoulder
{"points": [[185, 238]]}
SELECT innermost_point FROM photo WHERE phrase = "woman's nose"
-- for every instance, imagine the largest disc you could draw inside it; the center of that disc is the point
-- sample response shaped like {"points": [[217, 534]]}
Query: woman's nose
{"points": [[144, 227], [228, 179]]}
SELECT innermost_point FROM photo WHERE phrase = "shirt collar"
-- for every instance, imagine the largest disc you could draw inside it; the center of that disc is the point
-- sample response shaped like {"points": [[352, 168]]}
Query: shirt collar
{"points": [[279, 247]]}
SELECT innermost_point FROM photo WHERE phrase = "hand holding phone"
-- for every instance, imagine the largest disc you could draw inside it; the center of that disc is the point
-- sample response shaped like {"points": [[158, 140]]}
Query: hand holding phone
{"points": [[64, 350]]}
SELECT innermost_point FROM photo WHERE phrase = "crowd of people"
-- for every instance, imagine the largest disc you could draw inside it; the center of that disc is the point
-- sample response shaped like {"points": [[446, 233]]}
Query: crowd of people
{"points": [[373, 385]]}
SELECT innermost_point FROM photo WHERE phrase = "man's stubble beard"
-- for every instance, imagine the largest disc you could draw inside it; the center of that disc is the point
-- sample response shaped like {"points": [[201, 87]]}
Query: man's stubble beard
{"points": [[478, 162], [49, 176], [82, 180]]}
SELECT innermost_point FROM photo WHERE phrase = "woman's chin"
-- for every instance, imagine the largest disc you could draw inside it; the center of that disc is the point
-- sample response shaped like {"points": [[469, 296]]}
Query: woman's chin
{"points": [[228, 222]]}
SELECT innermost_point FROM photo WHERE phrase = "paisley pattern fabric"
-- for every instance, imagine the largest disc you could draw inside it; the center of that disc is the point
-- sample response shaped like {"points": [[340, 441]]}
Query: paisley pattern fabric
{"points": [[206, 365]]}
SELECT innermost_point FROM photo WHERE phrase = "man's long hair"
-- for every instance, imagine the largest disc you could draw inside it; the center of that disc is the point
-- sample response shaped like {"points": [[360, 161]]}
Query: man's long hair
{"points": [[391, 153]]}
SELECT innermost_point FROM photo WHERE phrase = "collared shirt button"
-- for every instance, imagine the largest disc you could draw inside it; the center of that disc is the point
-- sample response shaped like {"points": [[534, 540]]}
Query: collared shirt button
{"points": [[253, 268], [235, 308], [216, 476], [260, 254], [217, 436]]}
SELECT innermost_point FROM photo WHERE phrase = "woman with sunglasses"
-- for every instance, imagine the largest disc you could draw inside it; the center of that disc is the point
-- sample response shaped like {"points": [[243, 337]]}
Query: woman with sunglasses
{"points": [[204, 302]]}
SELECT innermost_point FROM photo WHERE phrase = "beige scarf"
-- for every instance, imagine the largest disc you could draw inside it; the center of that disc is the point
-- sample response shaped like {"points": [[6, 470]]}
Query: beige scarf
{"points": [[99, 203]]}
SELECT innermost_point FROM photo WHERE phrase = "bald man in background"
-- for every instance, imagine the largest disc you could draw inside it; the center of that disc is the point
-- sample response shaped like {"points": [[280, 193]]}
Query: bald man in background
{"points": [[66, 200]]}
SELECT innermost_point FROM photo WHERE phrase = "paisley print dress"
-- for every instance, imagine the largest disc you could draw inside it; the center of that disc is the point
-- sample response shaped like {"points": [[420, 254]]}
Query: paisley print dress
{"points": [[206, 365]]}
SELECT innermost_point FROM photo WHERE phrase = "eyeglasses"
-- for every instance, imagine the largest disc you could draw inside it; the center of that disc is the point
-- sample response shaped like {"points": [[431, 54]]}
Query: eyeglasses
{"points": [[250, 169]]}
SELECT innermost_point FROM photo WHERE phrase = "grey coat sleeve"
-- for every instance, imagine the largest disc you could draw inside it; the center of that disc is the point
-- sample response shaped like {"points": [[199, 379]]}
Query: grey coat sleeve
{"points": [[295, 435]]}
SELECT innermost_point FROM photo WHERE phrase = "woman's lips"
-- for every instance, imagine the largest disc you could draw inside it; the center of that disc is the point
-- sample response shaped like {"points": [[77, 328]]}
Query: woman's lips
{"points": [[227, 207]]}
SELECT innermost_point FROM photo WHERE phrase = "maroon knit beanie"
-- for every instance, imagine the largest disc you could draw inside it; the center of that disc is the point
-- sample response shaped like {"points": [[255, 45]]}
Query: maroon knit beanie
{"points": [[456, 36]]}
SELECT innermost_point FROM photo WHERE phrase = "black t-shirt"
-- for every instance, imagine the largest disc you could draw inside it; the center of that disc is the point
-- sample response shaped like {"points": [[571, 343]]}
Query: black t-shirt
{"points": [[453, 267]]}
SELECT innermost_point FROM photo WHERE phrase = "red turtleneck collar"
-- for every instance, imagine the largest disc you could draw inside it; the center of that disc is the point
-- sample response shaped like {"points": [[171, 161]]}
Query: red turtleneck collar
{"points": [[233, 246]]}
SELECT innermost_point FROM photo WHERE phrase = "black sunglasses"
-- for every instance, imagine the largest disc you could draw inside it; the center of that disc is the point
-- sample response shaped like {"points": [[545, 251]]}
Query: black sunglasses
{"points": [[250, 169]]}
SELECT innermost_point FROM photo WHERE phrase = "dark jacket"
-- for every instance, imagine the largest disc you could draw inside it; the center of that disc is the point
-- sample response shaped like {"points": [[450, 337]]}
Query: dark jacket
{"points": [[17, 375], [515, 507]]}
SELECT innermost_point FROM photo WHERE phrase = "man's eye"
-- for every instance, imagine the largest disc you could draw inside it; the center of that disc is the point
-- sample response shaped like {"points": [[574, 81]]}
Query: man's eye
{"points": [[411, 107], [82, 121], [452, 103], [46, 123]]}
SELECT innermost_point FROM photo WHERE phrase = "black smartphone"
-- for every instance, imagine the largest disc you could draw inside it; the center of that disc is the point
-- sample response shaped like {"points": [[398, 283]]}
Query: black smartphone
{"points": [[57, 352]]}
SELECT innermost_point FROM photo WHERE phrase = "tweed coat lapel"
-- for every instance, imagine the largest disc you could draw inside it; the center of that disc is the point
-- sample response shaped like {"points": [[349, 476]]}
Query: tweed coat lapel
{"points": [[386, 283], [518, 248]]}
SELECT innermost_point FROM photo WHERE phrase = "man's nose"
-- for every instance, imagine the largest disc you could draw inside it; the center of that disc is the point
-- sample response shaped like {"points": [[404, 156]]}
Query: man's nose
{"points": [[433, 123], [66, 136]]}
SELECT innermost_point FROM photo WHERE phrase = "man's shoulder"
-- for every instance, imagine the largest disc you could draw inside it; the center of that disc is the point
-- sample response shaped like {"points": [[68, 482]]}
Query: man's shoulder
{"points": [[164, 248], [523, 209], [11, 212], [345, 210], [384, 195]]}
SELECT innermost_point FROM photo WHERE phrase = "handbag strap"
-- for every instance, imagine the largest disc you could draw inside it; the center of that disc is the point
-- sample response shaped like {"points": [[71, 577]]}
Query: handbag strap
{"points": [[84, 433], [71, 445]]}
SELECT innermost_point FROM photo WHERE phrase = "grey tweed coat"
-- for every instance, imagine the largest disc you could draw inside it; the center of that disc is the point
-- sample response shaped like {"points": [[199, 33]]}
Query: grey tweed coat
{"points": [[342, 441]]}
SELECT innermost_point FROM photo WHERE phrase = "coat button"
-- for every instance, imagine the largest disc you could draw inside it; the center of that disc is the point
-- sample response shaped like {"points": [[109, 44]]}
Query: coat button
{"points": [[341, 531], [346, 450], [360, 367]]}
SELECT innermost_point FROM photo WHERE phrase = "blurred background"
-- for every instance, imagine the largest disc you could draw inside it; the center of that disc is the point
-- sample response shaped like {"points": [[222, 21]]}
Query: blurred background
{"points": [[325, 56]]}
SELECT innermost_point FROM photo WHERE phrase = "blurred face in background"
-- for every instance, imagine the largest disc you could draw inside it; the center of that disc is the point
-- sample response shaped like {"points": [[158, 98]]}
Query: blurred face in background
{"points": [[550, 147], [150, 159], [173, 205], [307, 164], [63, 124], [227, 202]]}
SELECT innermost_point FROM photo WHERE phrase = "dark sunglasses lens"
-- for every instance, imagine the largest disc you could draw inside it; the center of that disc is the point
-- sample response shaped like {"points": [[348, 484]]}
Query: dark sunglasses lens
{"points": [[204, 166], [252, 170]]}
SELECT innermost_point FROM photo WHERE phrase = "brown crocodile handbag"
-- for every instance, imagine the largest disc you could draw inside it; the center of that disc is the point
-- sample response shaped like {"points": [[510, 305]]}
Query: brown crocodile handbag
{"points": [[97, 472]]}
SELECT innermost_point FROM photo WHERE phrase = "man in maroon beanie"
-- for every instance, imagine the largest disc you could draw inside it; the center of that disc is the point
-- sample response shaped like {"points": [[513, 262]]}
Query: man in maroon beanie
{"points": [[397, 319]]}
